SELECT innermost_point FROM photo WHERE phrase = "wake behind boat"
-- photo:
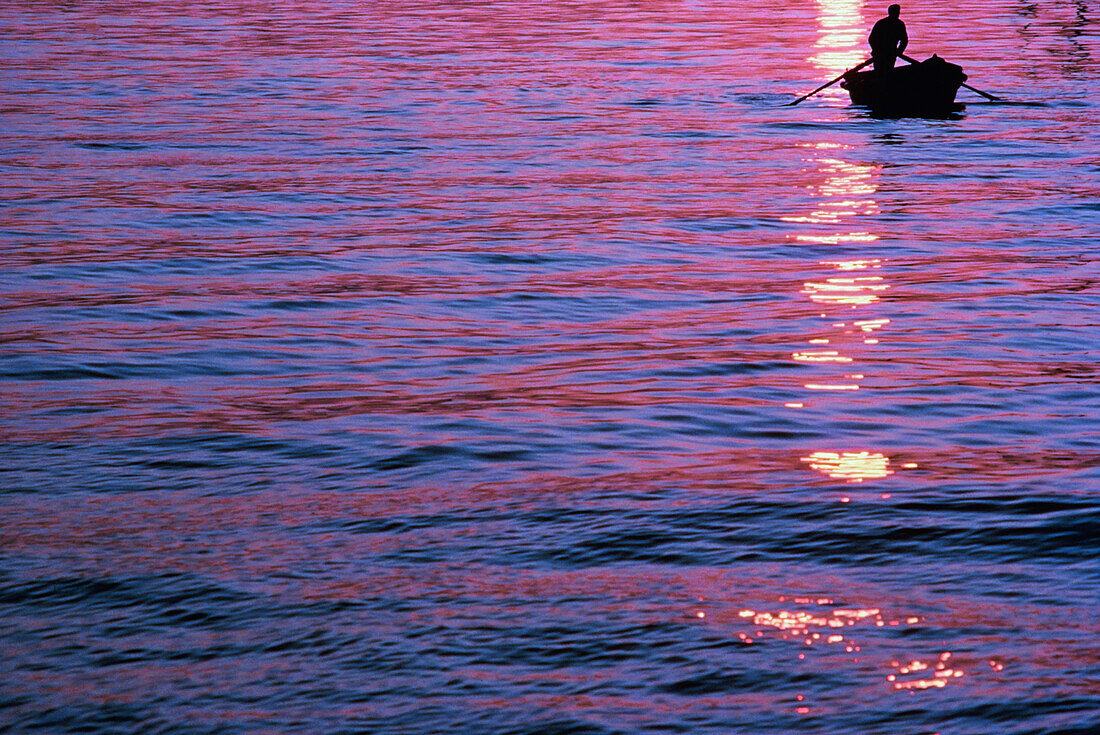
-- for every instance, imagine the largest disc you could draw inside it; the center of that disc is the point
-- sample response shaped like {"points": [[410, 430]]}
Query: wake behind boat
{"points": [[923, 89]]}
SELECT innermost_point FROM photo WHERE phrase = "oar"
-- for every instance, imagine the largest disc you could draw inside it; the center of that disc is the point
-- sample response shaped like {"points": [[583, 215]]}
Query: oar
{"points": [[828, 84], [987, 95]]}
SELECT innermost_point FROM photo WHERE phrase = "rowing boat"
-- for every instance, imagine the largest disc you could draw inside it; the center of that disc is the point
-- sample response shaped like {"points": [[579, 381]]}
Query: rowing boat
{"points": [[923, 89]]}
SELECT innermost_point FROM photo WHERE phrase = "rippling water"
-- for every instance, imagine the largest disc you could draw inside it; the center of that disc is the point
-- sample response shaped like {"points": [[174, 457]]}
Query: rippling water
{"points": [[529, 367]]}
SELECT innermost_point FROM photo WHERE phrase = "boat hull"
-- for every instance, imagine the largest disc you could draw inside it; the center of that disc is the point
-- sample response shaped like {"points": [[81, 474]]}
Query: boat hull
{"points": [[926, 89]]}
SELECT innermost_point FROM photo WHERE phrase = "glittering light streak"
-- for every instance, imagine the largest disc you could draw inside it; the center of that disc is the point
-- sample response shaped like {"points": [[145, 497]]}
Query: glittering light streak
{"points": [[820, 356], [850, 466], [840, 42], [861, 290], [924, 675]]}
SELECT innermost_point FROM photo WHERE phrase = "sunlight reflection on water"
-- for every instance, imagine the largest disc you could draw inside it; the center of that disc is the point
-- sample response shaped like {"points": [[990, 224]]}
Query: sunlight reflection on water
{"points": [[842, 30]]}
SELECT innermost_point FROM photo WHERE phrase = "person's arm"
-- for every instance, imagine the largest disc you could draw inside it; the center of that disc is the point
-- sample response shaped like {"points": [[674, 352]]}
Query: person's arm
{"points": [[904, 40]]}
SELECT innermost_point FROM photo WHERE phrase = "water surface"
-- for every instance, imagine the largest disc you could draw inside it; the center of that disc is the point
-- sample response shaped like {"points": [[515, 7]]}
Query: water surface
{"points": [[513, 367]]}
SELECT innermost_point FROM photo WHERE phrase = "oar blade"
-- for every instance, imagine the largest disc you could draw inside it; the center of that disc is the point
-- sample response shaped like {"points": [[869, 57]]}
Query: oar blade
{"points": [[828, 84]]}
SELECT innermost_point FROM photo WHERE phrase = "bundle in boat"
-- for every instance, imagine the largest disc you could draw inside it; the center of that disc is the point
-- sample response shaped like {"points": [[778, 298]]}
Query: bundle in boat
{"points": [[924, 89]]}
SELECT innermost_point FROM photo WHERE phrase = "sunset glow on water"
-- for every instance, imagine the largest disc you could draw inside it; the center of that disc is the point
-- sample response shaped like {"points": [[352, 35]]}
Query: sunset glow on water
{"points": [[525, 367]]}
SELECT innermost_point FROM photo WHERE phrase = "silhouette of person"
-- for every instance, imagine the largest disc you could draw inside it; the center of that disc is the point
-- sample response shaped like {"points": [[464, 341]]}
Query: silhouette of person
{"points": [[888, 39]]}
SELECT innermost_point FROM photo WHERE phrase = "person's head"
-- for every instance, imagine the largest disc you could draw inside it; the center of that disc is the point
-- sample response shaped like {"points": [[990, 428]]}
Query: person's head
{"points": [[894, 10]]}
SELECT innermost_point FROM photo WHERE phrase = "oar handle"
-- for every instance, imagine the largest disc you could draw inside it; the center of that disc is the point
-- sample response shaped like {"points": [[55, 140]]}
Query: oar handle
{"points": [[828, 84]]}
